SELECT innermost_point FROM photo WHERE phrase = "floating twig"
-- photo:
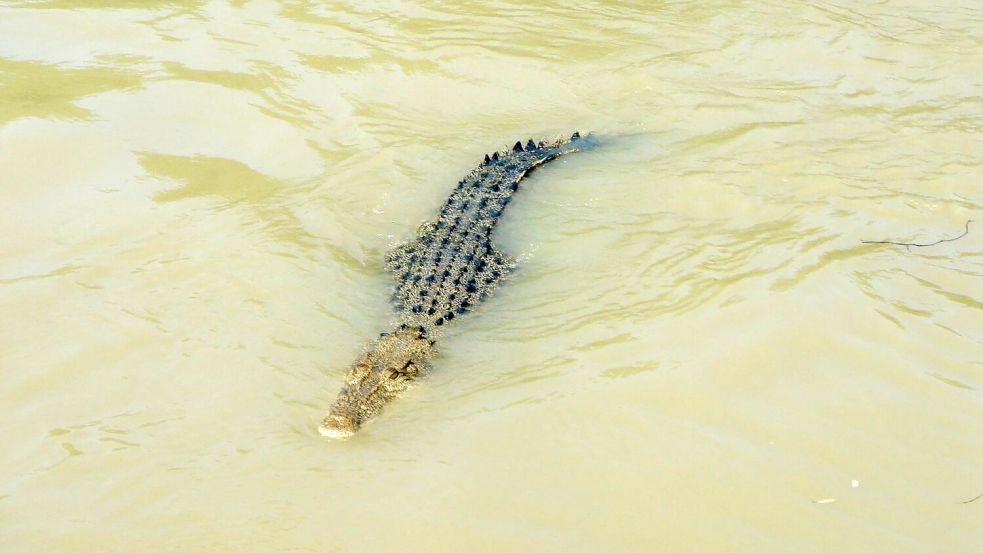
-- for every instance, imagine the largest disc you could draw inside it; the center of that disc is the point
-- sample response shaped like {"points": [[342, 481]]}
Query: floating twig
{"points": [[972, 500], [908, 245]]}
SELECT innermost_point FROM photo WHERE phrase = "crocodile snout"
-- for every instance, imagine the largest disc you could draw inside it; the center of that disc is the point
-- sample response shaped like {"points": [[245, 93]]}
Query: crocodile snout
{"points": [[337, 426]]}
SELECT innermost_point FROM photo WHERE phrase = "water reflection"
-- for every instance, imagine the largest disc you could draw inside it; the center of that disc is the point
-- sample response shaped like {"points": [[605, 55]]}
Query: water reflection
{"points": [[36, 89]]}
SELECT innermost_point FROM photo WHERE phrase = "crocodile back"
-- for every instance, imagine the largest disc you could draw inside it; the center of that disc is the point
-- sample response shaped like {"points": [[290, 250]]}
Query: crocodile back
{"points": [[453, 265]]}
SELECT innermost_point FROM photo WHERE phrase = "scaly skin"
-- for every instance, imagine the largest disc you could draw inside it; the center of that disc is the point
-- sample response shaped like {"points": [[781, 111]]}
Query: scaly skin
{"points": [[378, 376], [450, 268]]}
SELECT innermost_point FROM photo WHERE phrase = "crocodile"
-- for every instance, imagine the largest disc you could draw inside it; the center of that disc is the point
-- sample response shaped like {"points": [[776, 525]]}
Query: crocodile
{"points": [[451, 267]]}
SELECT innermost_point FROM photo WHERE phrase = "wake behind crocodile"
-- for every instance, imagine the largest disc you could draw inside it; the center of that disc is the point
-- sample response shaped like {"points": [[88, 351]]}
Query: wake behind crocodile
{"points": [[450, 268]]}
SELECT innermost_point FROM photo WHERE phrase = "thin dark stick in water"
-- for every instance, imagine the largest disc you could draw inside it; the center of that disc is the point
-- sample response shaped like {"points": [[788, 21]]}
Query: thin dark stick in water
{"points": [[972, 500], [909, 244]]}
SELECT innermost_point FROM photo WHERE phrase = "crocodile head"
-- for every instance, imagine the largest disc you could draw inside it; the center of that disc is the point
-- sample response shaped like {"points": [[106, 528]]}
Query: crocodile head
{"points": [[378, 376]]}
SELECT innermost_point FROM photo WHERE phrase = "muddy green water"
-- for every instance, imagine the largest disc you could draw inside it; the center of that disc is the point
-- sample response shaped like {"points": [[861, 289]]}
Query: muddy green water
{"points": [[696, 354]]}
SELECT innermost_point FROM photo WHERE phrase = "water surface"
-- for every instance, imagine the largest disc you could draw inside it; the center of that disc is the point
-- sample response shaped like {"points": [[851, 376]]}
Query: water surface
{"points": [[696, 354]]}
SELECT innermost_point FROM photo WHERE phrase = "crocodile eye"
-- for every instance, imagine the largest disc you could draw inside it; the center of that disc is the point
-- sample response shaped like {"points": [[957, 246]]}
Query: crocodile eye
{"points": [[358, 373], [410, 369]]}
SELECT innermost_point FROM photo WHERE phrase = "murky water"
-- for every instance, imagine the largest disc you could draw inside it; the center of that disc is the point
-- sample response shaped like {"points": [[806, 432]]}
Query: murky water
{"points": [[696, 354]]}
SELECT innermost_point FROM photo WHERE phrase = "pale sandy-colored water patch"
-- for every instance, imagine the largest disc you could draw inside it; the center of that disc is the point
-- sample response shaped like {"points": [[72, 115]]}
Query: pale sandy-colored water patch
{"points": [[697, 352]]}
